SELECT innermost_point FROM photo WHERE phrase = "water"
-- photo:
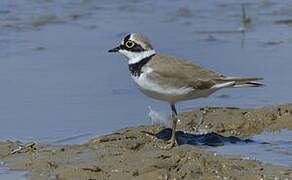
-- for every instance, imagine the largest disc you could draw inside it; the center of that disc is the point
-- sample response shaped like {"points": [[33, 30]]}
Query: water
{"points": [[277, 149], [58, 81], [6, 174]]}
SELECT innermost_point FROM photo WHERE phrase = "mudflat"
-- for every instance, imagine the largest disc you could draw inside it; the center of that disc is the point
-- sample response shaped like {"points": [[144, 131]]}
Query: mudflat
{"points": [[135, 153]]}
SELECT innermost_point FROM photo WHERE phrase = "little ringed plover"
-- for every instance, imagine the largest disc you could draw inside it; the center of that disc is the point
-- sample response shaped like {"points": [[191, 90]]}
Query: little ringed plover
{"points": [[170, 79]]}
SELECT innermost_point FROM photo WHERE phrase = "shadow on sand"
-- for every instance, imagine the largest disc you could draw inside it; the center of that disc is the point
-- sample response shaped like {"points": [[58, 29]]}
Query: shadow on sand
{"points": [[209, 139]]}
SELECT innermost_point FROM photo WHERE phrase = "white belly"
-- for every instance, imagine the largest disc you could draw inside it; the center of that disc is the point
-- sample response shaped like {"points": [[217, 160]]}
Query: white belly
{"points": [[169, 94]]}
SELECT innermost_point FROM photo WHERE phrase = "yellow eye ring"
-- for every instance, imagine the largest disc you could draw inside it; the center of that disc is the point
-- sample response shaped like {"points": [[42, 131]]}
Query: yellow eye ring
{"points": [[130, 44]]}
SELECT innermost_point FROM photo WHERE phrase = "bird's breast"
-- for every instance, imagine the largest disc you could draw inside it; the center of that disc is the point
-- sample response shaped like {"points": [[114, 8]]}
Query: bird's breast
{"points": [[154, 89]]}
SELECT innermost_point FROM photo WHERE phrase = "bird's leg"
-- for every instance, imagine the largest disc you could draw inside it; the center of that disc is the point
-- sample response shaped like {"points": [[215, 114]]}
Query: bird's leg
{"points": [[174, 122], [200, 121]]}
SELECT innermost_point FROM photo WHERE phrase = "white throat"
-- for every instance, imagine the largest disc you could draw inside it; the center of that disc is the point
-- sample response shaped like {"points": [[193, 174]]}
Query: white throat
{"points": [[135, 57]]}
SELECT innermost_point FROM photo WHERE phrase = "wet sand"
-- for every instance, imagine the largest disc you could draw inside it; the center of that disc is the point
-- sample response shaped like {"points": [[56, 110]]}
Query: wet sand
{"points": [[133, 154]]}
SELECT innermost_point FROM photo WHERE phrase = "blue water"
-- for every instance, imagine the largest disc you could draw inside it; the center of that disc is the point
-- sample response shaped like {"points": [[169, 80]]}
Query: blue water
{"points": [[59, 84], [269, 147], [6, 174]]}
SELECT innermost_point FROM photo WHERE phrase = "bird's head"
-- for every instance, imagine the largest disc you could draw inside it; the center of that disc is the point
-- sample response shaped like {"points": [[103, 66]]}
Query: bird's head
{"points": [[134, 46]]}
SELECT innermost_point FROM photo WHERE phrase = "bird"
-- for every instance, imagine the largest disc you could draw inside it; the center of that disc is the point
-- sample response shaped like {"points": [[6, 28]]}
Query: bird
{"points": [[171, 79]]}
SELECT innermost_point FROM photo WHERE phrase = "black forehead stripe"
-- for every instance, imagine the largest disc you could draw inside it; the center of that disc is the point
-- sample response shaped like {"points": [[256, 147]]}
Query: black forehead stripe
{"points": [[127, 38], [136, 48]]}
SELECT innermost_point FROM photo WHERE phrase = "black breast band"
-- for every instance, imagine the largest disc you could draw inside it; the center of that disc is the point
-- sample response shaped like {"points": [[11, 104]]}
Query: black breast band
{"points": [[136, 68]]}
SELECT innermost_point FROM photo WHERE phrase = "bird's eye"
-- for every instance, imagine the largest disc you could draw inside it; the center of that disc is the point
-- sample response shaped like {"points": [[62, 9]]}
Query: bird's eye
{"points": [[130, 44]]}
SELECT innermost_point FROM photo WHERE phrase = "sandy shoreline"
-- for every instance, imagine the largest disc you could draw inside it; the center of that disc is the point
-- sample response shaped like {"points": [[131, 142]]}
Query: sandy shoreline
{"points": [[132, 154]]}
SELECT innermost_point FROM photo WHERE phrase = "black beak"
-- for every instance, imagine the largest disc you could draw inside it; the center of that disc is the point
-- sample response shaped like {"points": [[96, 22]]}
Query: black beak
{"points": [[116, 49]]}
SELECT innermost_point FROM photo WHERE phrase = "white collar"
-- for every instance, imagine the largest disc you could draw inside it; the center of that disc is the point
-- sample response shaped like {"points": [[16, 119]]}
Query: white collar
{"points": [[141, 55]]}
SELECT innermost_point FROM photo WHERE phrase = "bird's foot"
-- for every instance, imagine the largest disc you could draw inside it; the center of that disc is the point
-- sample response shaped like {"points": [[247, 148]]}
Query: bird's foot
{"points": [[170, 144]]}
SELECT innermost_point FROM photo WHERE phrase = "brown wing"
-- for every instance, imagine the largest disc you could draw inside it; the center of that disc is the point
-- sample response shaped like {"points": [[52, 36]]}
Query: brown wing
{"points": [[179, 73]]}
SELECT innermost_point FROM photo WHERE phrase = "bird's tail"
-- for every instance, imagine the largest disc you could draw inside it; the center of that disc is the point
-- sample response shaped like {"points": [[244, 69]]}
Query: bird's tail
{"points": [[240, 82]]}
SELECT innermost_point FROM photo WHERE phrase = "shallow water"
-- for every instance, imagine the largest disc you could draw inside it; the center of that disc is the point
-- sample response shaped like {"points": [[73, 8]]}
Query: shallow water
{"points": [[59, 84], [274, 148], [269, 147], [7, 174]]}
